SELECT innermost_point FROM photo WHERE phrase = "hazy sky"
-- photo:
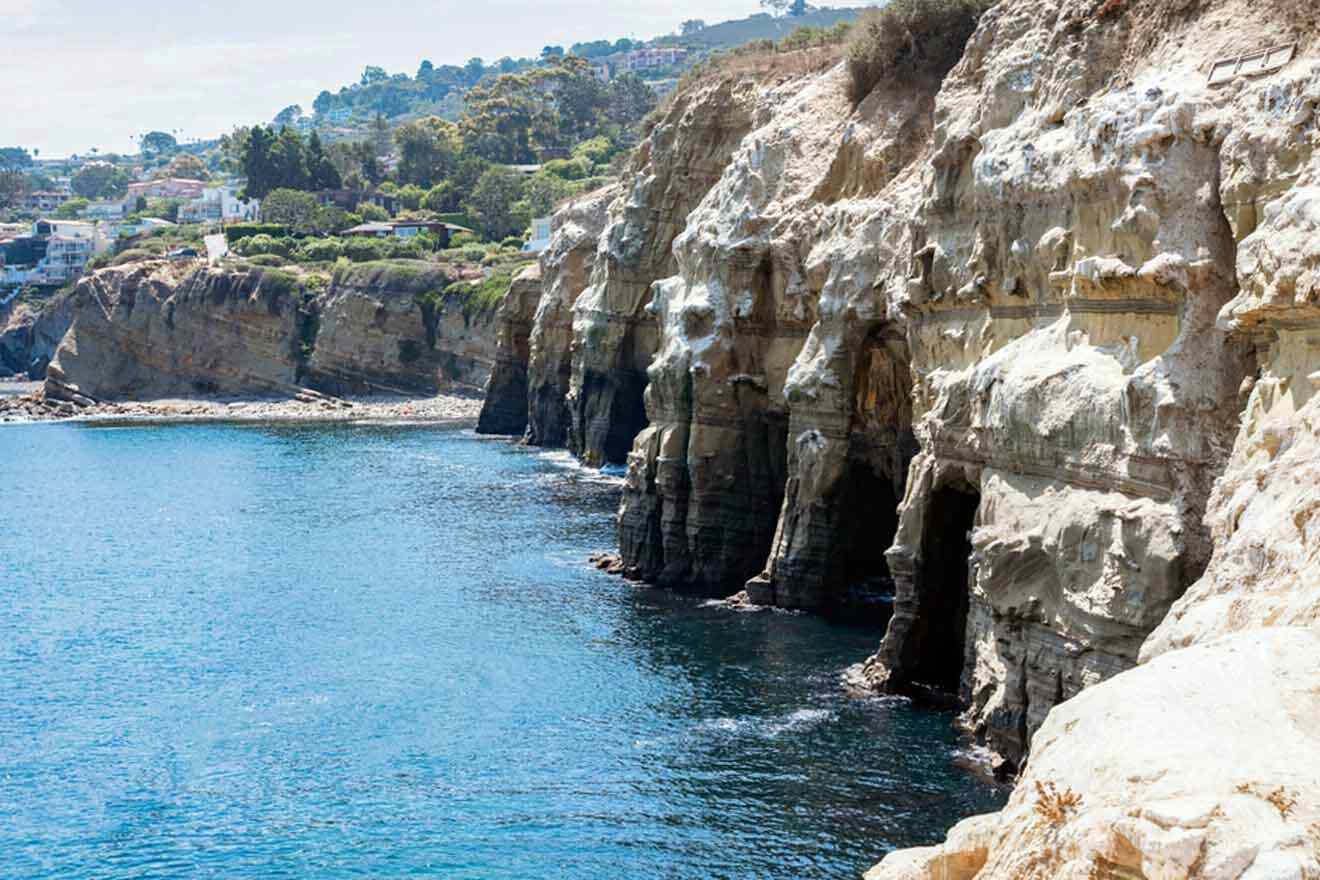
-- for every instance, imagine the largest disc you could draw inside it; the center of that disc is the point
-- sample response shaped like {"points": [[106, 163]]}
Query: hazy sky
{"points": [[76, 74]]}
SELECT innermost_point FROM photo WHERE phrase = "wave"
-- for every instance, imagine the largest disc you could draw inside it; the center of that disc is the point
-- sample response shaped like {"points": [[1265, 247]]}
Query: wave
{"points": [[767, 728]]}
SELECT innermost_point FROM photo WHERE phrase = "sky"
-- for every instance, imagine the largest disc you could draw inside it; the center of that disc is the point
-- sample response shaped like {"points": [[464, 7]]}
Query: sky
{"points": [[77, 74]]}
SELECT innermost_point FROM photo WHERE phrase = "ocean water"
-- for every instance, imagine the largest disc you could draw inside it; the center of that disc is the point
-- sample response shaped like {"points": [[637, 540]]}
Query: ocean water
{"points": [[272, 651]]}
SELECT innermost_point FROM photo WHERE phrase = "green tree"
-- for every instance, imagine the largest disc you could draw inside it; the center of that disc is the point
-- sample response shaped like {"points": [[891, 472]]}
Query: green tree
{"points": [[372, 74], [99, 180], [629, 99], [158, 143], [290, 207], [14, 157], [186, 166], [491, 203], [71, 209], [473, 71], [541, 192], [442, 198], [380, 135], [289, 115], [691, 26], [428, 151], [373, 213], [323, 103], [322, 172]]}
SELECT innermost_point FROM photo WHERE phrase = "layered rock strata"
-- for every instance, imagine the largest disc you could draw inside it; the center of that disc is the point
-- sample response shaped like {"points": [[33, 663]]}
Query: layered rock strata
{"points": [[614, 332], [160, 329], [1201, 761], [566, 269], [504, 409], [398, 327]]}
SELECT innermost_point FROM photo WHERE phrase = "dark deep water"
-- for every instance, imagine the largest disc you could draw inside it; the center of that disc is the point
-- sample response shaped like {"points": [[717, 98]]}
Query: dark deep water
{"points": [[270, 651]]}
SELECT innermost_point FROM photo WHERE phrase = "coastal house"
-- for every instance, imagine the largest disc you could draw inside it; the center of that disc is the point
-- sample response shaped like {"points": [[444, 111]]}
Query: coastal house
{"points": [[163, 188], [103, 211], [405, 229], [44, 201], [540, 238], [220, 204], [56, 252]]}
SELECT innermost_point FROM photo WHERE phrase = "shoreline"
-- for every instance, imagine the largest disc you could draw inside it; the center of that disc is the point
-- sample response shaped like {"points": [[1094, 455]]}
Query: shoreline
{"points": [[33, 408]]}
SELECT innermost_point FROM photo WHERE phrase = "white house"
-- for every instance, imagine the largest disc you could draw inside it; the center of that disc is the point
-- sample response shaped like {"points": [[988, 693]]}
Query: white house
{"points": [[60, 248], [103, 211], [219, 204], [540, 239]]}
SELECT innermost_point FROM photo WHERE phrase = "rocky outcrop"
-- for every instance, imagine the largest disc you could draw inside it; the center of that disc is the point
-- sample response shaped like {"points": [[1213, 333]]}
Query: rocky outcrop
{"points": [[566, 268], [30, 331], [1200, 762], [161, 329], [761, 261], [504, 409], [398, 327], [158, 329], [614, 333]]}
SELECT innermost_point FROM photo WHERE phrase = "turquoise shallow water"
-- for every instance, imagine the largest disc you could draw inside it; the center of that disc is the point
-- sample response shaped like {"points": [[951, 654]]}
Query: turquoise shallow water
{"points": [[265, 651]]}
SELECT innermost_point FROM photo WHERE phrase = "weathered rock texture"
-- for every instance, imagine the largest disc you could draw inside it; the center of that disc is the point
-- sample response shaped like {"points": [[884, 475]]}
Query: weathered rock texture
{"points": [[614, 332], [504, 410], [29, 334], [566, 267], [398, 327], [1202, 761], [158, 329]]}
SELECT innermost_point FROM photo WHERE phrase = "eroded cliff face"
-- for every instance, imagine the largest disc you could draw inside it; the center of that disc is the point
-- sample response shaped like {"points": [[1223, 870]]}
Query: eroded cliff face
{"points": [[766, 255], [566, 269], [1201, 761], [29, 334], [614, 333], [504, 409], [160, 329], [398, 327]]}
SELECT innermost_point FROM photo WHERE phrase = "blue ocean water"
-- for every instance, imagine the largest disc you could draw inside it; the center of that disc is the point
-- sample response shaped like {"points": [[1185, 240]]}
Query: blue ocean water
{"points": [[271, 651]]}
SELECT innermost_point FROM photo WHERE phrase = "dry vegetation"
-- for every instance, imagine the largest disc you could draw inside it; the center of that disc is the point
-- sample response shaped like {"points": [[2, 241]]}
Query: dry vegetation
{"points": [[907, 38], [1054, 805], [1279, 798]]}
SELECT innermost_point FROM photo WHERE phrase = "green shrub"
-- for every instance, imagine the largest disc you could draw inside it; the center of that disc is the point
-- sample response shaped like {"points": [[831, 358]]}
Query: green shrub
{"points": [[321, 250], [463, 239], [480, 296], [364, 250], [595, 150], [239, 231], [513, 241], [257, 245], [403, 249], [568, 169], [372, 213], [267, 260], [474, 254], [133, 255], [909, 37]]}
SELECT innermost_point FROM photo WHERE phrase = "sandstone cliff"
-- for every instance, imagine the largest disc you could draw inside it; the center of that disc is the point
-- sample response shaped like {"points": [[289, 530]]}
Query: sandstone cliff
{"points": [[30, 332], [614, 333], [160, 329], [504, 409], [1029, 347]]}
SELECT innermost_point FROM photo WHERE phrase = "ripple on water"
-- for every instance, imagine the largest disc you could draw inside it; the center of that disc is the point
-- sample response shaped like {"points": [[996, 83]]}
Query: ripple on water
{"points": [[342, 651]]}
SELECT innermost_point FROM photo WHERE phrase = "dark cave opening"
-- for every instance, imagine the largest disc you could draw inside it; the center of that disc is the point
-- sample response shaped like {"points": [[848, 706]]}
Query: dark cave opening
{"points": [[870, 525], [943, 589]]}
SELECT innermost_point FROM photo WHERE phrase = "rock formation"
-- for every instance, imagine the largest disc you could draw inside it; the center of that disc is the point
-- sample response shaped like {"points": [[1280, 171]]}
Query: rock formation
{"points": [[1031, 347], [614, 332], [547, 361], [504, 410], [397, 326], [160, 329], [29, 334]]}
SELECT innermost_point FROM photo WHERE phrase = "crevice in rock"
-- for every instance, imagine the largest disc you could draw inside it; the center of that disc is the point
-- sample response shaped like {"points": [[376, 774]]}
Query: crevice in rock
{"points": [[937, 641]]}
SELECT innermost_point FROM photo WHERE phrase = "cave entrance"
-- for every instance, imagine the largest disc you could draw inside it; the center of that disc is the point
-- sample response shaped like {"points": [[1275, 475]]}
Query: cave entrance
{"points": [[943, 588], [869, 526]]}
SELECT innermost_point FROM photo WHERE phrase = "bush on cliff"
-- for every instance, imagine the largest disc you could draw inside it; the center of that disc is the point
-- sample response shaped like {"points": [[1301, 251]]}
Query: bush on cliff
{"points": [[909, 37], [321, 250], [264, 244]]}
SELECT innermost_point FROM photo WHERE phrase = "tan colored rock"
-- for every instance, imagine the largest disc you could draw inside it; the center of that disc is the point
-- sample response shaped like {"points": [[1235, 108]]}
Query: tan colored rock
{"points": [[615, 334], [399, 326], [504, 410], [566, 270]]}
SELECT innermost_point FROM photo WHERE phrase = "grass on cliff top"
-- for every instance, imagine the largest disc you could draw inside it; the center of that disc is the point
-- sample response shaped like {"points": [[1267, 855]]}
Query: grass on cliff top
{"points": [[909, 39], [394, 274], [484, 295]]}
